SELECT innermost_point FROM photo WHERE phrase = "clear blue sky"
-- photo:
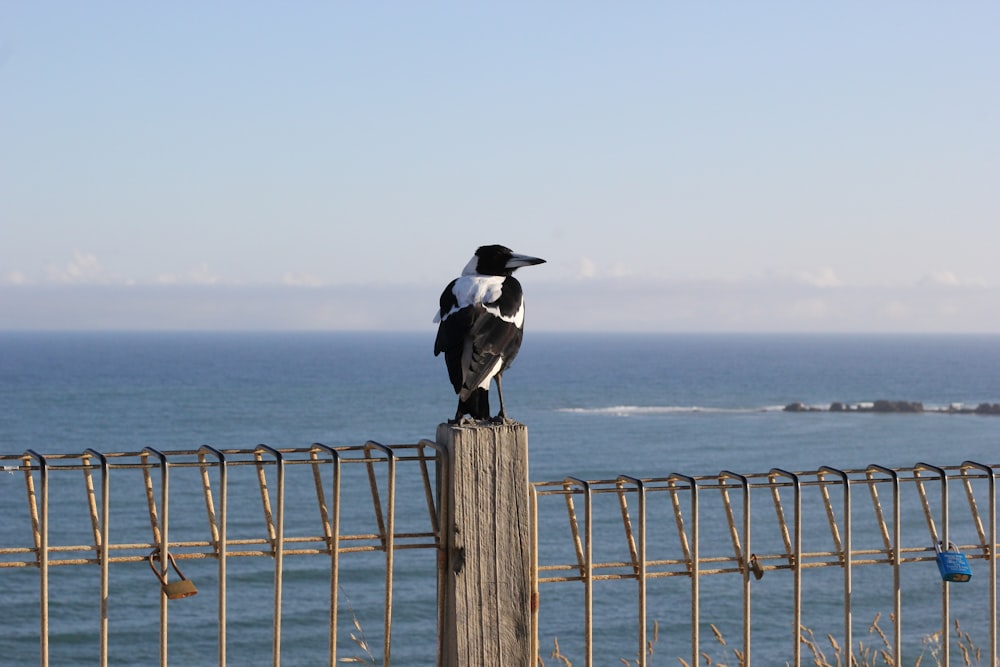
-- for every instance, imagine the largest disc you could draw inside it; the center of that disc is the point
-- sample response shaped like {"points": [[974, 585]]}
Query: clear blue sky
{"points": [[331, 165]]}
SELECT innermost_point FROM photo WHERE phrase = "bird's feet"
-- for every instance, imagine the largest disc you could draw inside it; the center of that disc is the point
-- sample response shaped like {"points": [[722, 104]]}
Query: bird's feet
{"points": [[466, 420]]}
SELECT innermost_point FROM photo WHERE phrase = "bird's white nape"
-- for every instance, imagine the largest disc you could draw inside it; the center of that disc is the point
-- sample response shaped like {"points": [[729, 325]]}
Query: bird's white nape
{"points": [[472, 268], [475, 290]]}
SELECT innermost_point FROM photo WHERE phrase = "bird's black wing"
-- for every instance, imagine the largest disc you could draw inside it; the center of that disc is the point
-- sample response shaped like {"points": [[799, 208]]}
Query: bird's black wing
{"points": [[452, 333], [494, 334]]}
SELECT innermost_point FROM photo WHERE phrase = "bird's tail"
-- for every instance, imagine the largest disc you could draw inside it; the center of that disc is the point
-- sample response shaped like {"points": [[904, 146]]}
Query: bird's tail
{"points": [[477, 405]]}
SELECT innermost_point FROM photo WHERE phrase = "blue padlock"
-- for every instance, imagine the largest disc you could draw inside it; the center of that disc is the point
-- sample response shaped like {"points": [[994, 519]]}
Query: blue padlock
{"points": [[952, 563]]}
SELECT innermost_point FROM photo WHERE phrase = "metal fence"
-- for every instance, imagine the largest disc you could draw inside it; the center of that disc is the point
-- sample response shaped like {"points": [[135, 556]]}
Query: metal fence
{"points": [[155, 473], [800, 522], [588, 534]]}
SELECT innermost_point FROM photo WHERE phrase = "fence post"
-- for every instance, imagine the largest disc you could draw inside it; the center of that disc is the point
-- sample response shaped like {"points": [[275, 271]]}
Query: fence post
{"points": [[487, 547]]}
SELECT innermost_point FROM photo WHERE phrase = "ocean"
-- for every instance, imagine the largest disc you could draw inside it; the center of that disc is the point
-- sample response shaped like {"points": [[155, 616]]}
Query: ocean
{"points": [[596, 406]]}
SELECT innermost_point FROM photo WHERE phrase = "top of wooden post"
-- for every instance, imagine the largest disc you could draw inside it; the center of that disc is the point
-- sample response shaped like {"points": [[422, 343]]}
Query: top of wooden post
{"points": [[487, 546]]}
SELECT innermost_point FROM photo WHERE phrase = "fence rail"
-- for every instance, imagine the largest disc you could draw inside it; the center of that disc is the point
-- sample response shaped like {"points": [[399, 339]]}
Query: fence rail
{"points": [[586, 532], [156, 470], [683, 498]]}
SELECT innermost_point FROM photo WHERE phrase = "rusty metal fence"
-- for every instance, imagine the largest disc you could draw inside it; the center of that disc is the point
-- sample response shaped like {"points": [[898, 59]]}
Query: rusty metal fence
{"points": [[743, 530], [155, 474], [799, 522]]}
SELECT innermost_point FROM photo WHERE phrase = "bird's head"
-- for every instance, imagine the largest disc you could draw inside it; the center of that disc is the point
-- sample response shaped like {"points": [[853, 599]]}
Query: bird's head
{"points": [[497, 260]]}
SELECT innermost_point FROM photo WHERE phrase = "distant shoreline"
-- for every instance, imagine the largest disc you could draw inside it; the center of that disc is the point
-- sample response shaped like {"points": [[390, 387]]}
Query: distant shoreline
{"points": [[892, 407]]}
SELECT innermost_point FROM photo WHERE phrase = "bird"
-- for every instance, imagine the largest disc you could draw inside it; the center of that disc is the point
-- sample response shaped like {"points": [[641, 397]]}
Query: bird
{"points": [[480, 320]]}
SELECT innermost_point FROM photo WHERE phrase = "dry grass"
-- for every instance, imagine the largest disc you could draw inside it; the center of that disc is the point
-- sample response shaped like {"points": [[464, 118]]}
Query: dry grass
{"points": [[558, 655], [972, 655], [879, 651], [358, 637], [709, 660], [875, 651]]}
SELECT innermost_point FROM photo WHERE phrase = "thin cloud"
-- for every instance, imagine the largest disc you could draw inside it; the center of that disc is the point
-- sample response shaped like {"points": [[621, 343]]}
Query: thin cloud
{"points": [[809, 310], [200, 275], [947, 278], [825, 277], [84, 268], [290, 279], [14, 278], [587, 268], [775, 304], [941, 278], [598, 304]]}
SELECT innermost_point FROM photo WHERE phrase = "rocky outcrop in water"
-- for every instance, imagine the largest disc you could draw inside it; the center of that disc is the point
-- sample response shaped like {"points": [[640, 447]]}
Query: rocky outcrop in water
{"points": [[884, 406], [897, 406], [801, 407]]}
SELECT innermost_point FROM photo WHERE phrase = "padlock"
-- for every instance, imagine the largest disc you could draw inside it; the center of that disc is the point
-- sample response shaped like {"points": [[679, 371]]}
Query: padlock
{"points": [[755, 567], [174, 590], [952, 564]]}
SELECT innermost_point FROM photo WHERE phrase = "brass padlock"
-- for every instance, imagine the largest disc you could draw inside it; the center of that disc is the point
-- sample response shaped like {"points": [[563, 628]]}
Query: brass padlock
{"points": [[756, 567], [174, 590]]}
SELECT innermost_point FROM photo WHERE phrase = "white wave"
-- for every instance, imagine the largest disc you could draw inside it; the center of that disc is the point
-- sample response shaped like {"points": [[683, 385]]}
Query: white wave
{"points": [[629, 410], [636, 410]]}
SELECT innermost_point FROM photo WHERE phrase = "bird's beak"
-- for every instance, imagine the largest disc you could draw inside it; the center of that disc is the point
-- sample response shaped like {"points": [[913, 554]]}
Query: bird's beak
{"points": [[517, 261]]}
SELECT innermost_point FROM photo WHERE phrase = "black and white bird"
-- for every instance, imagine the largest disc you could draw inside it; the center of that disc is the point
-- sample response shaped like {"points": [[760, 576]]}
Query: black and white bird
{"points": [[480, 319]]}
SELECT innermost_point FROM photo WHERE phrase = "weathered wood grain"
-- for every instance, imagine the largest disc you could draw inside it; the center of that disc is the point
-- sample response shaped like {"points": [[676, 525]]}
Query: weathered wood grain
{"points": [[487, 616]]}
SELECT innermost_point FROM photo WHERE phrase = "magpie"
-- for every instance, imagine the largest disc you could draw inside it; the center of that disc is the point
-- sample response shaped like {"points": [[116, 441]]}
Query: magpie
{"points": [[480, 318]]}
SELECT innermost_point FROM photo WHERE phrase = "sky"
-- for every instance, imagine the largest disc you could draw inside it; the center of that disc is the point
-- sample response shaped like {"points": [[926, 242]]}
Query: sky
{"points": [[683, 167]]}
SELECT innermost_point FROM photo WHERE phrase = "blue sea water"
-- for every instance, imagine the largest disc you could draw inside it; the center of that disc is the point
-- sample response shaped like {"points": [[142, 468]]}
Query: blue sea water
{"points": [[596, 406]]}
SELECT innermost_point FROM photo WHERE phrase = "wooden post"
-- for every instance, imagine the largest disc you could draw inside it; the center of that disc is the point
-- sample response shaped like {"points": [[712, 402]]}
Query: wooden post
{"points": [[487, 591]]}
